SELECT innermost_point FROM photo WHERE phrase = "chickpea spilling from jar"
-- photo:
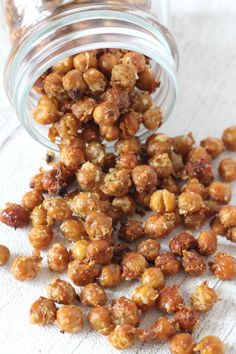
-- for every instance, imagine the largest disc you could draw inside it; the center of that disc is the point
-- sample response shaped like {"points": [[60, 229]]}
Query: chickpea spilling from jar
{"points": [[87, 100]]}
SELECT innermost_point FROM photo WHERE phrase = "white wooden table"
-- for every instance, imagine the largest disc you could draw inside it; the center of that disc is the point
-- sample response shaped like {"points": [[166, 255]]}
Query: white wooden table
{"points": [[206, 33]]}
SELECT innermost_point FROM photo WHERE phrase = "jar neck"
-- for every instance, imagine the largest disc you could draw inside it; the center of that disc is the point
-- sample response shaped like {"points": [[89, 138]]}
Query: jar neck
{"points": [[73, 30]]}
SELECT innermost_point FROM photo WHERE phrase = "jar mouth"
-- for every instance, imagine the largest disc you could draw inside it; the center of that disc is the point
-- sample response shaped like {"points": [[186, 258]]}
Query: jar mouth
{"points": [[77, 30]]}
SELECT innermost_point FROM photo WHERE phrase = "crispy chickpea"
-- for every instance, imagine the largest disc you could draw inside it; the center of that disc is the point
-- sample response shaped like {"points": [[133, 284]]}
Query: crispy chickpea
{"points": [[99, 252], [61, 292], [40, 236], [197, 154], [152, 118], [58, 257], [203, 297], [116, 183], [213, 146], [14, 215], [85, 203], [39, 216], [69, 319], [231, 234], [210, 345], [63, 66], [184, 241], [36, 182], [128, 145], [66, 128], [162, 201], [128, 161], [153, 277], [119, 97], [143, 199], [187, 318], [81, 274], [124, 311], [169, 299], [115, 214], [227, 170], [131, 230], [57, 208], [229, 138], [110, 276], [177, 162], [168, 263], [129, 124], [122, 337], [123, 75], [223, 266], [106, 63], [73, 230], [147, 80], [220, 192], [109, 132], [125, 204], [195, 220], [162, 164], [193, 185], [106, 113], [83, 109], [72, 157], [25, 268], [141, 101], [133, 265], [85, 60], [217, 227], [149, 249], [55, 181], [4, 255], [158, 144], [161, 330], [95, 80], [190, 202], [46, 111], [193, 263], [135, 59], [53, 85], [43, 311], [207, 243], [200, 169], [95, 152], [159, 225], [74, 81], [144, 296], [212, 207], [144, 178], [227, 216], [93, 295], [100, 320], [98, 225], [182, 343], [31, 199], [183, 144], [170, 184], [79, 250]]}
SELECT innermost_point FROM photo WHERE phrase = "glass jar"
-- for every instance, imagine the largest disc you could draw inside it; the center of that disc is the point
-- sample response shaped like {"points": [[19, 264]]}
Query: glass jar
{"points": [[38, 33]]}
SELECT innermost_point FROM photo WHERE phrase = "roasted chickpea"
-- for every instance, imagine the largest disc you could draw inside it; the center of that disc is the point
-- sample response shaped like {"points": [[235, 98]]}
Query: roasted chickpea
{"points": [[194, 220], [157, 144], [36, 182], [135, 59], [73, 81], [128, 145], [39, 216], [212, 207], [40, 236], [207, 243], [73, 230], [227, 170], [85, 203], [214, 147], [189, 203], [149, 249], [169, 299], [220, 192], [81, 274], [162, 164], [106, 113], [127, 160], [168, 263], [61, 291], [110, 276], [98, 225], [197, 154], [152, 118], [182, 343], [69, 319], [203, 298], [63, 66], [116, 183], [55, 181], [100, 320], [193, 263], [25, 268], [217, 227], [109, 132], [187, 318], [43, 311], [184, 241], [131, 230], [100, 252], [200, 169], [79, 250], [210, 345], [141, 101], [58, 257], [95, 80], [14, 215], [95, 153], [93, 295], [161, 330], [57, 208], [144, 178], [32, 199], [143, 199], [170, 184], [124, 311], [4, 255], [85, 60], [115, 214], [193, 185], [53, 85], [123, 75], [144, 296], [183, 144], [133, 265], [83, 109], [147, 80], [162, 201], [229, 138], [125, 204], [153, 277], [129, 124], [227, 216], [106, 63], [46, 111], [122, 337], [72, 157], [159, 225], [119, 97], [223, 266]]}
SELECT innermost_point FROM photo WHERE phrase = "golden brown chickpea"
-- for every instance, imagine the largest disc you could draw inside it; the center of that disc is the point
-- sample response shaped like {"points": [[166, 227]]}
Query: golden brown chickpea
{"points": [[32, 199], [116, 183], [200, 169], [190, 202], [61, 292], [57, 208], [193, 263], [229, 138], [73, 230], [162, 201], [66, 128], [85, 203], [72, 157], [109, 132], [177, 162], [147, 80], [4, 255], [210, 345], [223, 266], [99, 252], [14, 215], [123, 75], [217, 227], [95, 80], [144, 297], [119, 97], [100, 320], [127, 160], [36, 182], [161, 330], [158, 144], [227, 170], [106, 113], [162, 164], [133, 265], [129, 124], [153, 277], [58, 257], [183, 144], [39, 216], [187, 318], [231, 234], [204, 297], [110, 276], [195, 220], [170, 184], [85, 60], [169, 299], [93, 295], [149, 249], [135, 59], [63, 66], [55, 181], [83, 109], [212, 207], [40, 236], [131, 230], [227, 216], [73, 81], [207, 243], [184, 241], [53, 85], [182, 343], [81, 274], [122, 337], [25, 268], [106, 63], [128, 145], [98, 225], [69, 319], [95, 153], [193, 185], [214, 147], [43, 311], [141, 101], [79, 250], [124, 311], [46, 111], [197, 154], [152, 118], [220, 192], [125, 204], [159, 225], [144, 178], [168, 263]]}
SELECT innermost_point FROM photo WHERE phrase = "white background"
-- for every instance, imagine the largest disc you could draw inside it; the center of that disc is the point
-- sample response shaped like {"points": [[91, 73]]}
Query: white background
{"points": [[206, 35]]}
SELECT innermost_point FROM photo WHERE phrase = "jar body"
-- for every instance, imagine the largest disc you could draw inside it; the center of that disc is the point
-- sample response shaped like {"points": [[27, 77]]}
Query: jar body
{"points": [[40, 33]]}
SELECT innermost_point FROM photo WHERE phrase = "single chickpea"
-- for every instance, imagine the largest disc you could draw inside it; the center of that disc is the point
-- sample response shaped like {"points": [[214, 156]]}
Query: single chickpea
{"points": [[81, 274], [58, 258], [203, 297], [212, 207], [152, 118], [159, 225], [182, 343], [128, 145], [135, 59], [109, 132], [168, 263], [4, 255], [170, 184], [143, 199], [187, 318], [200, 169], [128, 161], [189, 203], [40, 236], [61, 292], [144, 178], [207, 243], [93, 295], [99, 252], [184, 241], [46, 111], [116, 183], [147, 80], [85, 203], [69, 319], [124, 311], [223, 266], [100, 320], [55, 181], [227, 170], [66, 128], [161, 330], [32, 199], [220, 192], [74, 81], [73, 230], [129, 124], [217, 227], [193, 185], [177, 162], [162, 165], [79, 250], [53, 85], [195, 220], [83, 109], [14, 215], [119, 97], [95, 80], [149, 249], [133, 265], [162, 201], [169, 299], [144, 296], [25, 268], [183, 144], [193, 263], [213, 146], [122, 337], [85, 60], [106, 113], [229, 138], [43, 311], [210, 345], [115, 214], [123, 75], [131, 230], [39, 216], [158, 144], [227, 216], [63, 66], [197, 154], [153, 277], [57, 208], [95, 153], [72, 157], [98, 226], [125, 204], [36, 182], [106, 63], [110, 276]]}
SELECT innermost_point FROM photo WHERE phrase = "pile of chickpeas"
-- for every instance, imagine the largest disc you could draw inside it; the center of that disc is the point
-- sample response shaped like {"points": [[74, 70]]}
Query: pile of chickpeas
{"points": [[97, 199]]}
